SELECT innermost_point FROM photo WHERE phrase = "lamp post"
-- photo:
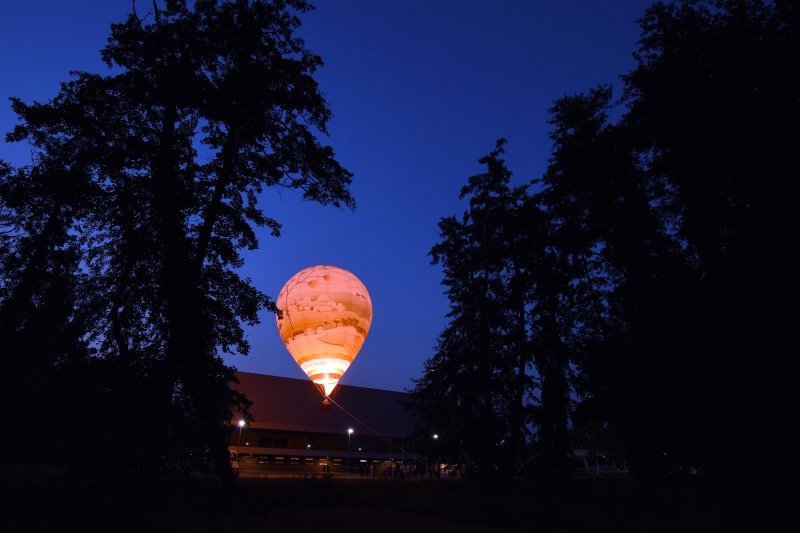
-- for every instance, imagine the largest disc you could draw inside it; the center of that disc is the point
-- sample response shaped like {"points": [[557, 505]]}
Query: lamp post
{"points": [[239, 445], [414, 452], [436, 452], [349, 433]]}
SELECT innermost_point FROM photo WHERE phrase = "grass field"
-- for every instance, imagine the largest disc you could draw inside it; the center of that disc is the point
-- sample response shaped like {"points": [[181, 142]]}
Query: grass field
{"points": [[41, 499]]}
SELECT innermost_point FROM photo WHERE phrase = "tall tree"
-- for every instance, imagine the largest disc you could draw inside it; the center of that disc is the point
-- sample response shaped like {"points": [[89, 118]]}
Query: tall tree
{"points": [[656, 255], [713, 98], [480, 370], [684, 207], [208, 104], [510, 283], [41, 329], [551, 300], [607, 206]]}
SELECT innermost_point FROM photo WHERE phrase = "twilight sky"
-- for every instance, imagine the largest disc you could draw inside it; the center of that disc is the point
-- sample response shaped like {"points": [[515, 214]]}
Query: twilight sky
{"points": [[419, 91]]}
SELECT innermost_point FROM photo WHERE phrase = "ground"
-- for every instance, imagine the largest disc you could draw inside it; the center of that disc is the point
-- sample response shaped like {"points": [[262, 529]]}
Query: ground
{"points": [[37, 499]]}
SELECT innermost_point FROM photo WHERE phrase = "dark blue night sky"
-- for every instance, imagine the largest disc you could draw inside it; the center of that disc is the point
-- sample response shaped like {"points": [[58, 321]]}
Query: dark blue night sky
{"points": [[419, 91]]}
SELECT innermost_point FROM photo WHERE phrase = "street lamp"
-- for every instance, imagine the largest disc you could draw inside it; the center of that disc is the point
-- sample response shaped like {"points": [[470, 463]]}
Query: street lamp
{"points": [[349, 433], [239, 445], [436, 449], [414, 452]]}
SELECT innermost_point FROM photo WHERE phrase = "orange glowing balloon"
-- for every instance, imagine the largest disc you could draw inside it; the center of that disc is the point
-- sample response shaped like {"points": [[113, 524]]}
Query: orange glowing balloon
{"points": [[326, 317]]}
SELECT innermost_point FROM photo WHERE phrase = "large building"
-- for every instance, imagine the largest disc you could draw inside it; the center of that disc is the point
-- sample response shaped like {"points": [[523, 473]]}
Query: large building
{"points": [[290, 432]]}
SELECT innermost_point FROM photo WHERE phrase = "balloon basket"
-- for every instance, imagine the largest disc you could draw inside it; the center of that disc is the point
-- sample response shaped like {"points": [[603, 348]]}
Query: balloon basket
{"points": [[326, 404]]}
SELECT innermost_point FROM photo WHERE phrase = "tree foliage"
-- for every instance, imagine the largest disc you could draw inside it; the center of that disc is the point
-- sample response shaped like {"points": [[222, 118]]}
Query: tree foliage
{"points": [[141, 196], [472, 254], [653, 257]]}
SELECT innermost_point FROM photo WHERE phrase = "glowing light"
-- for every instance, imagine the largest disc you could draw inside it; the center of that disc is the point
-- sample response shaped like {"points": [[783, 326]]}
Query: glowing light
{"points": [[349, 431], [435, 436], [327, 313], [241, 423]]}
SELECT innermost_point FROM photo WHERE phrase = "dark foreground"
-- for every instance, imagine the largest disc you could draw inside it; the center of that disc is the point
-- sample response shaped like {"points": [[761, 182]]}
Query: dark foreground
{"points": [[42, 499]]}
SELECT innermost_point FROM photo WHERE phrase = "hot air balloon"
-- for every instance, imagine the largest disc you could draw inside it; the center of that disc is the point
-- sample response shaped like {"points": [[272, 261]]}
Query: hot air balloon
{"points": [[327, 312]]}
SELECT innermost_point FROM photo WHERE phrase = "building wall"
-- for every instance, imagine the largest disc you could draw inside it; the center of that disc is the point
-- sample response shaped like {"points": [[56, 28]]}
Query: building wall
{"points": [[287, 428]]}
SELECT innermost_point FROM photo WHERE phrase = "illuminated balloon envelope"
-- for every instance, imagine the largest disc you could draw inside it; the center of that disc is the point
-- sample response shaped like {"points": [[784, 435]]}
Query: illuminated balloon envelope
{"points": [[327, 312]]}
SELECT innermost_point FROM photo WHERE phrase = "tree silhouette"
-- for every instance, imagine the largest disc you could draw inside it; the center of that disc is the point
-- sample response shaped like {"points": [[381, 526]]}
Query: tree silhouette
{"points": [[464, 392], [41, 329], [207, 106], [680, 205], [653, 259], [714, 100], [509, 305]]}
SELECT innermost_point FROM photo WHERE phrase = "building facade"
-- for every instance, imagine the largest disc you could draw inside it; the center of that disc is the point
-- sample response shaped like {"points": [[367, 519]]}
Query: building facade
{"points": [[364, 432]]}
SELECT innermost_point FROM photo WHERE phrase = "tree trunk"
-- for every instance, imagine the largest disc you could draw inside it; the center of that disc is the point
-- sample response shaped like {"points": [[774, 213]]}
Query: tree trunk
{"points": [[178, 301], [554, 435], [518, 399]]}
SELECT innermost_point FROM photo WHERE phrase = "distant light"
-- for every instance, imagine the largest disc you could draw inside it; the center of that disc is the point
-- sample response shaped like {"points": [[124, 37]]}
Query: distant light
{"points": [[349, 431], [242, 423], [308, 446], [435, 436]]}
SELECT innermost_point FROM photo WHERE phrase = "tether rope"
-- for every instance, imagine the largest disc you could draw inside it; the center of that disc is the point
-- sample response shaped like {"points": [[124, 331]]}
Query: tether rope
{"points": [[354, 417]]}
